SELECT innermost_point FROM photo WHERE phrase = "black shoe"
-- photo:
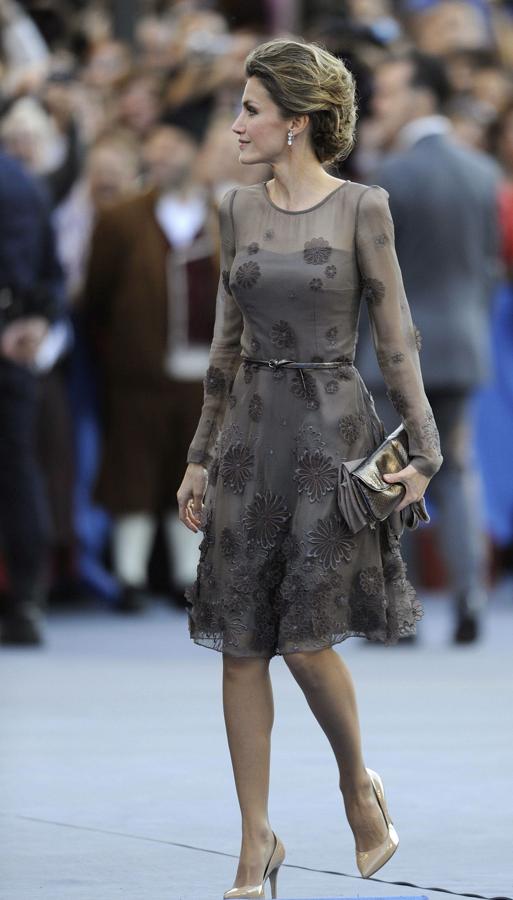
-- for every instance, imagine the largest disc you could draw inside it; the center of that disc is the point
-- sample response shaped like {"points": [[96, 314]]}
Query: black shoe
{"points": [[469, 606], [132, 600], [22, 626], [467, 628]]}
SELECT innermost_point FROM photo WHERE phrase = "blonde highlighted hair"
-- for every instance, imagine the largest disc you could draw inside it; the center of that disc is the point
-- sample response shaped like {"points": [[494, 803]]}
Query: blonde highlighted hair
{"points": [[305, 78]]}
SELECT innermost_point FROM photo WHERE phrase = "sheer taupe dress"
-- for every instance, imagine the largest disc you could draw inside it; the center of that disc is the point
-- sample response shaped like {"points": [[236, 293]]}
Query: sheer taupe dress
{"points": [[278, 569]]}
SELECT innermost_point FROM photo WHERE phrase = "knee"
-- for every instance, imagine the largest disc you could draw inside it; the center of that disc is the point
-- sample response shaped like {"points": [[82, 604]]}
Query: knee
{"points": [[239, 667], [305, 664]]}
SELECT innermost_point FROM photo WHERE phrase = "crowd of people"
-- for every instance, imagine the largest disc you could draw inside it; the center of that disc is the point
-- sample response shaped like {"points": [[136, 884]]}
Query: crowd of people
{"points": [[116, 149]]}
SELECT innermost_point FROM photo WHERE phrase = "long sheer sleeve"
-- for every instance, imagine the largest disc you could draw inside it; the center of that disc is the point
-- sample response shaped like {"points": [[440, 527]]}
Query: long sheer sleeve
{"points": [[396, 339], [225, 349]]}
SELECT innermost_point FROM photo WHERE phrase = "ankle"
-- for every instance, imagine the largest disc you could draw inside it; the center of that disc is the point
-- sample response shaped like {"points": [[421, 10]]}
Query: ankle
{"points": [[357, 791], [256, 831]]}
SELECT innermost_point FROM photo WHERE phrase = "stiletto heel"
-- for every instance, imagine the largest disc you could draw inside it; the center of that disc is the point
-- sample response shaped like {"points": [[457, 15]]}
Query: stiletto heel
{"points": [[254, 891], [273, 880], [369, 861]]}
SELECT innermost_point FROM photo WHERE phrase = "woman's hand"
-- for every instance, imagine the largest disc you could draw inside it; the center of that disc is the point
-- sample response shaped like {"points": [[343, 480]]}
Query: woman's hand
{"points": [[415, 483], [190, 495]]}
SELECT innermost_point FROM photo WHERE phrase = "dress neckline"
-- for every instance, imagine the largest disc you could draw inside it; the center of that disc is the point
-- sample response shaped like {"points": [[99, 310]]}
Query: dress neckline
{"points": [[296, 212]]}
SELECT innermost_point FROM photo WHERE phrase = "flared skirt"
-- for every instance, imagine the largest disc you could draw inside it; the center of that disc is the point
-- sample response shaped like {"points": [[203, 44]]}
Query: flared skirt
{"points": [[279, 570]]}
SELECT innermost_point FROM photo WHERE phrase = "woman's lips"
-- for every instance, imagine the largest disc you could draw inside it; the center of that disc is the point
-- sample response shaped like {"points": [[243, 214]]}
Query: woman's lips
{"points": [[243, 143]]}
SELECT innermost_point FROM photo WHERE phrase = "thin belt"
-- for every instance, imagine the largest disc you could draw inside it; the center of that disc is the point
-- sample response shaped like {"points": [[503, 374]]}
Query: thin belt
{"points": [[294, 364]]}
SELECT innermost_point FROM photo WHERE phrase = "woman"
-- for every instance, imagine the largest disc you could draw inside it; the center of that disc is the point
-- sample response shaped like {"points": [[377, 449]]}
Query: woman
{"points": [[279, 571]]}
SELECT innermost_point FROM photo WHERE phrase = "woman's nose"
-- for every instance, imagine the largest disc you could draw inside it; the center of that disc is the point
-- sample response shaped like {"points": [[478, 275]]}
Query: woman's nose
{"points": [[236, 127]]}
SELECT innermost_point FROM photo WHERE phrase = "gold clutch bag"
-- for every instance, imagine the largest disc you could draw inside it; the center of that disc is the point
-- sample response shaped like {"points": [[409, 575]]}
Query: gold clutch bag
{"points": [[364, 498]]}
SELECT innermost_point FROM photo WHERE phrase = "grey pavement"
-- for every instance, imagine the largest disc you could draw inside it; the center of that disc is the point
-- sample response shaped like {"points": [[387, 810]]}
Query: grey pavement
{"points": [[116, 782]]}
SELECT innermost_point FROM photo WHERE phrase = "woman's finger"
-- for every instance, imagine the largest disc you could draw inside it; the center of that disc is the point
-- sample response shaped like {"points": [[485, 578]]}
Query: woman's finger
{"points": [[404, 503], [197, 499], [192, 520], [414, 482], [393, 477], [190, 500], [184, 510], [405, 500], [188, 522], [411, 496]]}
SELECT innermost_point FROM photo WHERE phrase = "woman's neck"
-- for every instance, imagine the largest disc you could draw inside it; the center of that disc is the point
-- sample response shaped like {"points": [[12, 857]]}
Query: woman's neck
{"points": [[298, 186]]}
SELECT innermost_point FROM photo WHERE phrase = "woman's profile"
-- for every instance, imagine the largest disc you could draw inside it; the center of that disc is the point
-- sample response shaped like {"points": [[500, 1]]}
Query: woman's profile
{"points": [[279, 571]]}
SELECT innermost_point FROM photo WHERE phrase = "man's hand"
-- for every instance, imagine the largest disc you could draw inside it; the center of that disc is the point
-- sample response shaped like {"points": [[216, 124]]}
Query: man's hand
{"points": [[21, 339], [415, 483]]}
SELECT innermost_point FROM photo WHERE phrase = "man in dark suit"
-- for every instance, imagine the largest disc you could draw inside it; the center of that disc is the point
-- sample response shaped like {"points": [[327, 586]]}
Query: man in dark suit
{"points": [[443, 199], [31, 296]]}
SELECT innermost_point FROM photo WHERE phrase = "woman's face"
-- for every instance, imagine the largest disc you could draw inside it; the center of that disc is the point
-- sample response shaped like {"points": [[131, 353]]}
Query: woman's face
{"points": [[261, 131]]}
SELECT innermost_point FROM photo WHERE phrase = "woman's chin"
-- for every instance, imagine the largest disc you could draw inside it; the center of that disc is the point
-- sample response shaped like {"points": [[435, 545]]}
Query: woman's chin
{"points": [[248, 160]]}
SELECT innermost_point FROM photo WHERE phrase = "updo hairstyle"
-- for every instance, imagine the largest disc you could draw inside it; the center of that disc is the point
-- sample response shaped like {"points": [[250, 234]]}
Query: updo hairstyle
{"points": [[305, 78]]}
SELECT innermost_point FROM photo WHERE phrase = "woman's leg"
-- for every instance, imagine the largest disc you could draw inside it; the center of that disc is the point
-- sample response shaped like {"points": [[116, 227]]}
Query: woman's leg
{"points": [[249, 715], [328, 687]]}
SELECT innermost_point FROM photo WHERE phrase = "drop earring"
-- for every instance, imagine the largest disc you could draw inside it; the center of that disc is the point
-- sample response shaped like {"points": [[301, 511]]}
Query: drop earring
{"points": [[290, 138]]}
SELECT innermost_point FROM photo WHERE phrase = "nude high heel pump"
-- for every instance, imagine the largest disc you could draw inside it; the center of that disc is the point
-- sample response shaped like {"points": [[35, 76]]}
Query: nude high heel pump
{"points": [[369, 861], [250, 891]]}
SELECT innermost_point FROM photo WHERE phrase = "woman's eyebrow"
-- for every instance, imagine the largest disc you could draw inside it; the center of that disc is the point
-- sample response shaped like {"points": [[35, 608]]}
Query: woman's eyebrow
{"points": [[246, 103]]}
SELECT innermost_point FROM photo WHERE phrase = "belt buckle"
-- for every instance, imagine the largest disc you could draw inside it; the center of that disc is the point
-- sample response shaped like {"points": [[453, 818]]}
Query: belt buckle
{"points": [[275, 363]]}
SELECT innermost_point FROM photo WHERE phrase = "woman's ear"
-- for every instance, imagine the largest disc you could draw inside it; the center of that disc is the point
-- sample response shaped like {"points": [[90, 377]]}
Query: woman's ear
{"points": [[298, 124]]}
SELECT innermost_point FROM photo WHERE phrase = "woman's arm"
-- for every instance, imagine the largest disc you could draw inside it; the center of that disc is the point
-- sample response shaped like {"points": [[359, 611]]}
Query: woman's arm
{"points": [[396, 340], [225, 349]]}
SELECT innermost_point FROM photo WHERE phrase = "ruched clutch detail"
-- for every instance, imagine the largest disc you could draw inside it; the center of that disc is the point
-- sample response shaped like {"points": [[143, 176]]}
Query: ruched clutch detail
{"points": [[365, 499]]}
